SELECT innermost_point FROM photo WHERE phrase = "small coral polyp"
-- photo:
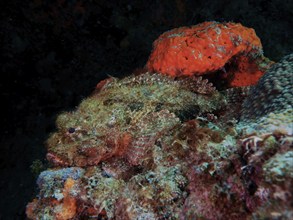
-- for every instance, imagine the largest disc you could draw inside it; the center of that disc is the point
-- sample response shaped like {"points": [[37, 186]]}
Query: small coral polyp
{"points": [[209, 47]]}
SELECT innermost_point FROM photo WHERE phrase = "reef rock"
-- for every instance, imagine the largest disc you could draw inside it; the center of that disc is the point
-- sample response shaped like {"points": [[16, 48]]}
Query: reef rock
{"points": [[269, 105], [152, 146]]}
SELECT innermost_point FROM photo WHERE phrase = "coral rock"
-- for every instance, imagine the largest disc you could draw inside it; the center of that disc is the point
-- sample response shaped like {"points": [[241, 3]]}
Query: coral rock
{"points": [[269, 104], [59, 189], [273, 93], [151, 146]]}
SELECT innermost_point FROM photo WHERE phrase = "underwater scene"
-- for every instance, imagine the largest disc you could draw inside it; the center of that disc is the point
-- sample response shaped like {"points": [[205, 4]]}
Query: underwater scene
{"points": [[203, 131], [147, 110]]}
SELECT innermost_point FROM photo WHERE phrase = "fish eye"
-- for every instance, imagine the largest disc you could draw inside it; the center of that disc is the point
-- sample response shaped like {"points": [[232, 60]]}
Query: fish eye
{"points": [[71, 130]]}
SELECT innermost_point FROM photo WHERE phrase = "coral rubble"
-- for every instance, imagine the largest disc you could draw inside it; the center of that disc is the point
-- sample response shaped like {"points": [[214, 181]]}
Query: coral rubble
{"points": [[151, 146]]}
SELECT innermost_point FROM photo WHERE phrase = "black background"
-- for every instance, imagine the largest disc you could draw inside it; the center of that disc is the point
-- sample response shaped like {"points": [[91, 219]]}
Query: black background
{"points": [[54, 52]]}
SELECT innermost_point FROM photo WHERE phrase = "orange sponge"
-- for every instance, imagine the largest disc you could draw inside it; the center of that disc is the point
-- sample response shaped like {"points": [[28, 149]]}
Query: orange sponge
{"points": [[208, 47]]}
